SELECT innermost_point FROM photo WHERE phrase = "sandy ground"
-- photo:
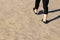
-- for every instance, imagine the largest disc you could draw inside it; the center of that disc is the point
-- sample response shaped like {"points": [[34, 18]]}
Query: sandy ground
{"points": [[18, 21]]}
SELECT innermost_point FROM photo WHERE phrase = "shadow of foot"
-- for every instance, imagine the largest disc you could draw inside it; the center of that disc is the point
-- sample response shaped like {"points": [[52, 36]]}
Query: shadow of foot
{"points": [[40, 12], [54, 18]]}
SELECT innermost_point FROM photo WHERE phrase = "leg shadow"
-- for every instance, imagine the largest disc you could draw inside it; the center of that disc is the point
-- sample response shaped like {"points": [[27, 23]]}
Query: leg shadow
{"points": [[58, 17], [52, 11]]}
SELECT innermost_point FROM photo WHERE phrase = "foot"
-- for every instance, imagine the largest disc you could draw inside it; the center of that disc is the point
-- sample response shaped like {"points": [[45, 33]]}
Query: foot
{"points": [[35, 11], [45, 21]]}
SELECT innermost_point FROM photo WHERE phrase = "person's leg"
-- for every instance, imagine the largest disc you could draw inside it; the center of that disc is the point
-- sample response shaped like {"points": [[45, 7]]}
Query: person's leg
{"points": [[45, 6], [36, 6]]}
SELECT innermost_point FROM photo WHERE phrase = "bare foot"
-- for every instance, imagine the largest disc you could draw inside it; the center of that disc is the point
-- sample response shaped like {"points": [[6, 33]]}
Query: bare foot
{"points": [[35, 11]]}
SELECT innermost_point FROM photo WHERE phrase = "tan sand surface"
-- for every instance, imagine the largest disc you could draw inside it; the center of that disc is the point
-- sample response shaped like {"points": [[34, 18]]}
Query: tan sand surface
{"points": [[18, 21]]}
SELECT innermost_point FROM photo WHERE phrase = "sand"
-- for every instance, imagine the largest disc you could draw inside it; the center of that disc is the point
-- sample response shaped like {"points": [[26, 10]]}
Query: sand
{"points": [[18, 21]]}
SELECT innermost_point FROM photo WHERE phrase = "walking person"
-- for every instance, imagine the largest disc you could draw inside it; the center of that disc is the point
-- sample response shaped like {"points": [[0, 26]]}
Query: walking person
{"points": [[45, 7]]}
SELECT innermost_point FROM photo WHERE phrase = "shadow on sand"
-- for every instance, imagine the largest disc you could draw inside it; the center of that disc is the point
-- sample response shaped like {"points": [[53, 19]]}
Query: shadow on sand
{"points": [[52, 11], [55, 18]]}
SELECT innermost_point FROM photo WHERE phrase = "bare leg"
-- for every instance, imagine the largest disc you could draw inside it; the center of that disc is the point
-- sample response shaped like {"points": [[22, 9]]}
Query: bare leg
{"points": [[45, 17]]}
